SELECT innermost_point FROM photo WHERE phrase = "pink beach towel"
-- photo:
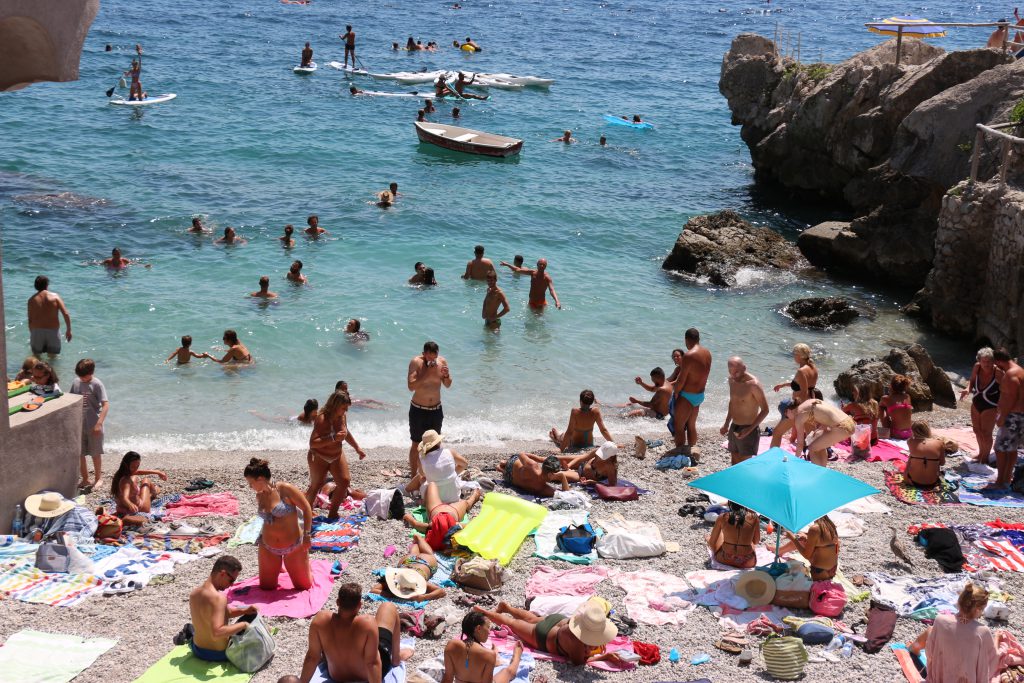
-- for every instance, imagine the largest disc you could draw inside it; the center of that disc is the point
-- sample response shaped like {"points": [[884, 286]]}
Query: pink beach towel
{"points": [[285, 601], [202, 505], [503, 641], [964, 436], [883, 451], [550, 581]]}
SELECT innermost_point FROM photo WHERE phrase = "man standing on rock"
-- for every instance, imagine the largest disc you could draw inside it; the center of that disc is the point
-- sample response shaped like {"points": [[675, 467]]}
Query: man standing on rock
{"points": [[1009, 418], [688, 394], [427, 372], [748, 407], [43, 323]]}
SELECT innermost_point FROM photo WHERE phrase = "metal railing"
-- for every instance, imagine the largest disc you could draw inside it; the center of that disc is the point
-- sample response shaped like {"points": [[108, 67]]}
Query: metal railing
{"points": [[1007, 143]]}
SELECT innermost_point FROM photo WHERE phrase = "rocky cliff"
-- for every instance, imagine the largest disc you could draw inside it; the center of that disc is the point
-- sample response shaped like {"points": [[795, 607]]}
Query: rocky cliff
{"points": [[886, 141]]}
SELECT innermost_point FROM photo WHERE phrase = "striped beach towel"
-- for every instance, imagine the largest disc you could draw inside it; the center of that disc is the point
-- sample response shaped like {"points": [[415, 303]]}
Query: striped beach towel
{"points": [[337, 536], [1003, 555], [22, 581]]}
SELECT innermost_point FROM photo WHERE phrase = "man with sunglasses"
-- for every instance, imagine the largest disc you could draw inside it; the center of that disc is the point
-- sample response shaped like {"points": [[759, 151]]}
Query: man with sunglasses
{"points": [[211, 616]]}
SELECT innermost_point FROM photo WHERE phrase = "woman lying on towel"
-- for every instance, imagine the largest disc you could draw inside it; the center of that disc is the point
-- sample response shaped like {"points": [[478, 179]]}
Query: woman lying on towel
{"points": [[283, 538], [133, 495], [469, 660], [410, 580], [959, 647], [442, 518], [735, 537]]}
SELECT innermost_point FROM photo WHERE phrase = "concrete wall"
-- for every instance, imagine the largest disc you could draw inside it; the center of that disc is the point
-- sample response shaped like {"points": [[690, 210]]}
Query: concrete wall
{"points": [[41, 40]]}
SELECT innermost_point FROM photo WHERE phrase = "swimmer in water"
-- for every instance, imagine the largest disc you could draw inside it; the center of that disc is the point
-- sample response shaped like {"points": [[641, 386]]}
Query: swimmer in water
{"points": [[184, 353], [353, 90], [264, 291], [421, 115], [314, 231], [353, 330], [286, 240], [428, 106], [198, 227], [230, 237], [116, 261], [456, 112], [567, 138], [295, 273]]}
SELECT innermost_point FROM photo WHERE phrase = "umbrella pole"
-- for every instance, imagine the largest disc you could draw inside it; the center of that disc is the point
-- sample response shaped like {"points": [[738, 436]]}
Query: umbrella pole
{"points": [[778, 541], [899, 44]]}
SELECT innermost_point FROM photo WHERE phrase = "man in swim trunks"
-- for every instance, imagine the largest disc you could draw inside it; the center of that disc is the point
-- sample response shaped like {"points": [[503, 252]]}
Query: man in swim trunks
{"points": [[307, 55], [748, 407], [43, 323], [580, 432], [540, 283], [1010, 418], [116, 261], [295, 273], [479, 267], [208, 607], [536, 473], [428, 372], [657, 407], [493, 300], [460, 87], [350, 45], [349, 646], [688, 393], [264, 292]]}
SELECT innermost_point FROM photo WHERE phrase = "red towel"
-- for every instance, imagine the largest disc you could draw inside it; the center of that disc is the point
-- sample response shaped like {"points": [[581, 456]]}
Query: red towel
{"points": [[202, 505], [649, 653]]}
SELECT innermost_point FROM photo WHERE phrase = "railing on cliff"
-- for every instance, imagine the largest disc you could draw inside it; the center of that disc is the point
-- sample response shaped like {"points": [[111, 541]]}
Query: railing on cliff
{"points": [[1007, 143]]}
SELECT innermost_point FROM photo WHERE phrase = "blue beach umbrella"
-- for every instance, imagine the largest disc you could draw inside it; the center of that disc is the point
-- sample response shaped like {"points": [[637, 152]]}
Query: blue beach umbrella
{"points": [[787, 490]]}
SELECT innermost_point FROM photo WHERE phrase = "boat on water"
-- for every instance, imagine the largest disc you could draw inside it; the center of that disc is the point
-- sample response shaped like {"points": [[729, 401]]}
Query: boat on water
{"points": [[466, 140]]}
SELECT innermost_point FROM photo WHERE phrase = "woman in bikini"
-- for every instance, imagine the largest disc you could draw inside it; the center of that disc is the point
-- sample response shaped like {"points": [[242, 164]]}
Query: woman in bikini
{"points": [[133, 496], [820, 546], [735, 537], [580, 432], [802, 385], [284, 539], [237, 353], [442, 518], [469, 660], [927, 456], [896, 408], [829, 424], [677, 361], [326, 451], [420, 560], [864, 409], [984, 384]]}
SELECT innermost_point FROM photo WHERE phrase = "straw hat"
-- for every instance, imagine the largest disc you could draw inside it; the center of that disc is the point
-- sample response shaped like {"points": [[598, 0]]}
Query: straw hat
{"points": [[430, 439], [48, 504], [592, 626], [405, 583], [756, 587], [607, 450]]}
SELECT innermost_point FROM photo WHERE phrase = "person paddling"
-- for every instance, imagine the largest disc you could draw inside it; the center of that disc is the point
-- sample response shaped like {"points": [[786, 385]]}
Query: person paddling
{"points": [[307, 56], [350, 45], [135, 71]]}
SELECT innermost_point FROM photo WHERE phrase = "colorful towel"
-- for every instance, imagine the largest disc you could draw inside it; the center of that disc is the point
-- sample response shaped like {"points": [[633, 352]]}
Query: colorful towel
{"points": [[192, 545], [547, 543], [138, 565], [49, 657], [943, 494], [14, 549], [247, 533], [410, 604], [977, 496], [337, 536], [906, 663], [202, 505], [1002, 555], [22, 581], [181, 666], [286, 600]]}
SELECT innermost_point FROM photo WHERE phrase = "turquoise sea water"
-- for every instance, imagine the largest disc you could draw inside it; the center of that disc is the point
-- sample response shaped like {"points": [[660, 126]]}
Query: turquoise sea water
{"points": [[249, 144]]}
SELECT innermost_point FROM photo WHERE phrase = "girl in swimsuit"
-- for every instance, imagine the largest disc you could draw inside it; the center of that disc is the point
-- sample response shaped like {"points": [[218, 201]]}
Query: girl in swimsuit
{"points": [[817, 416], [283, 538], [469, 660], [927, 456], [864, 409], [735, 537], [820, 545], [896, 408], [984, 384], [326, 451], [580, 432], [802, 385], [134, 497], [677, 360], [237, 352]]}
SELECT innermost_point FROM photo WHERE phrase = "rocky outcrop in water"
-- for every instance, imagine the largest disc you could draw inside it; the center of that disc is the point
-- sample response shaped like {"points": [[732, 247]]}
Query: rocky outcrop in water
{"points": [[928, 383], [822, 312], [716, 246], [884, 140]]}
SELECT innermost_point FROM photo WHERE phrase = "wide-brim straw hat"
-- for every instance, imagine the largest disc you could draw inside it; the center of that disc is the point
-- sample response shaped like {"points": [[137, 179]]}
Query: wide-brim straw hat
{"points": [[430, 439], [592, 625], [405, 583], [48, 504], [756, 587]]}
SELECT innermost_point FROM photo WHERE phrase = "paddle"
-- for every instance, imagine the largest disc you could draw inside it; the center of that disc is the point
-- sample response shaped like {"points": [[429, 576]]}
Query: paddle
{"points": [[120, 83]]}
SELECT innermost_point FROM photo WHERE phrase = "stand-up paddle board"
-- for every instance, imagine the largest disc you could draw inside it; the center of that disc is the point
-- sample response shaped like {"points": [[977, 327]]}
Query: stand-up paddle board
{"points": [[155, 99], [418, 95], [643, 125], [305, 70]]}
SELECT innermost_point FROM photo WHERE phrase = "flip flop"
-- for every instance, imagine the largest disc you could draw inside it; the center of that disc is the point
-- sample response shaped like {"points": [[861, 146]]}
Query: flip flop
{"points": [[199, 484]]}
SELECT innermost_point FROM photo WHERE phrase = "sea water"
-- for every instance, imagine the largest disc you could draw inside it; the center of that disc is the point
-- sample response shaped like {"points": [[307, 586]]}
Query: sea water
{"points": [[247, 143]]}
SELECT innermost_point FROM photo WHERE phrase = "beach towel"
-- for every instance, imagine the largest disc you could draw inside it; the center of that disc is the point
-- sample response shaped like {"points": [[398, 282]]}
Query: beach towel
{"points": [[409, 604], [137, 565], [503, 641], [202, 505], [432, 670], [14, 549], [867, 505], [181, 666], [1002, 555], [247, 533], [592, 489], [971, 494], [906, 663], [337, 536], [48, 657], [964, 437], [547, 580], [22, 581], [888, 451], [285, 601], [544, 605], [730, 618], [944, 493], [647, 600], [396, 675], [547, 545]]}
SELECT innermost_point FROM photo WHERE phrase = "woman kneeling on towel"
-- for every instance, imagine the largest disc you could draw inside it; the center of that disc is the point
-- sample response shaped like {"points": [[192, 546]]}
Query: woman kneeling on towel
{"points": [[829, 424], [469, 660], [927, 456], [282, 538], [735, 537], [959, 647]]}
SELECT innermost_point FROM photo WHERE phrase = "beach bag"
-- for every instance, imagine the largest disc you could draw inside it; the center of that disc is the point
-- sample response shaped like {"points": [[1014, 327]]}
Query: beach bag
{"points": [[616, 492], [478, 574], [251, 649], [108, 526], [828, 598], [378, 503], [784, 657], [793, 589], [881, 624], [577, 539], [53, 556], [623, 545]]}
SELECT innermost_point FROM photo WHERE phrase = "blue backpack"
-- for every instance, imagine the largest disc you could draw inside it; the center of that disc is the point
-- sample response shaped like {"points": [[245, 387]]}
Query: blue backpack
{"points": [[578, 539]]}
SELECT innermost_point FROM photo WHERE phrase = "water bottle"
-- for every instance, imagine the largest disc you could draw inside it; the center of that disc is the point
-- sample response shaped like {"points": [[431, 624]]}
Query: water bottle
{"points": [[16, 522], [673, 656], [834, 644], [848, 649]]}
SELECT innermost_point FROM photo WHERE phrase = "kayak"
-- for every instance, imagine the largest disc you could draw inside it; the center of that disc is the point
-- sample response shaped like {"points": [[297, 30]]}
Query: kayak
{"points": [[643, 125], [305, 70], [156, 99], [528, 81]]}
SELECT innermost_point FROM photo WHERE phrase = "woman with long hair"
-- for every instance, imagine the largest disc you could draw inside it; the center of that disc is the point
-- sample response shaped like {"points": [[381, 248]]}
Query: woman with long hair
{"points": [[735, 537], [803, 387], [134, 497], [468, 660], [283, 539], [960, 647], [897, 411], [326, 451]]}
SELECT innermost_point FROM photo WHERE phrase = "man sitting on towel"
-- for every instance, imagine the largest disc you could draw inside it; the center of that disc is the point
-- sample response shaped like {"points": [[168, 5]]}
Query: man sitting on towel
{"points": [[354, 647], [211, 615]]}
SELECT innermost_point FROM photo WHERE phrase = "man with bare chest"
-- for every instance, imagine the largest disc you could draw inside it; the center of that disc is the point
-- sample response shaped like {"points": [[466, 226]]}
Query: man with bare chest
{"points": [[428, 372], [43, 321], [493, 300], [748, 407]]}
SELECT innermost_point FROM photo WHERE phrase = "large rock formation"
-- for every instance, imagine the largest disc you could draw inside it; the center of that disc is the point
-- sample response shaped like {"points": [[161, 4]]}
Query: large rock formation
{"points": [[884, 140], [822, 312], [716, 246], [928, 383]]}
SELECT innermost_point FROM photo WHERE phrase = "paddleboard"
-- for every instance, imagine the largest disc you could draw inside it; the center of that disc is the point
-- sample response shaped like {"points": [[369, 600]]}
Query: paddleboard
{"points": [[528, 81], [341, 66], [305, 70], [376, 93], [643, 125], [156, 99]]}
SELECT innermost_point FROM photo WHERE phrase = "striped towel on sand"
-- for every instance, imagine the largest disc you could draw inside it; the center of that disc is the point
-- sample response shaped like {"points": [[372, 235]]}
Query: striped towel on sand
{"points": [[337, 536], [24, 582]]}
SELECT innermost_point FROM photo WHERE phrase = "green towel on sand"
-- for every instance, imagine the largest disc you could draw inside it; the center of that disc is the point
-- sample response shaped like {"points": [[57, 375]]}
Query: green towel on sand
{"points": [[48, 657], [181, 666]]}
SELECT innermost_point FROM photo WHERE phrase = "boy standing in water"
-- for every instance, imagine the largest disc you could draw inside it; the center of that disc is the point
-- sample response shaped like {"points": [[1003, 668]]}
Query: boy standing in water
{"points": [[184, 352], [94, 412], [350, 45]]}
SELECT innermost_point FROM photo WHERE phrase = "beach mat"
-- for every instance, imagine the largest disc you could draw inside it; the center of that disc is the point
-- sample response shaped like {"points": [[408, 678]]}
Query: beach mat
{"points": [[48, 657], [202, 505], [181, 666], [286, 600], [337, 536], [396, 675], [1005, 499], [22, 581], [944, 493]]}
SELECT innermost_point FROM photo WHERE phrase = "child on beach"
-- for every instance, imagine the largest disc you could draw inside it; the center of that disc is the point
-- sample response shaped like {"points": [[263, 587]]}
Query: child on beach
{"points": [[26, 369], [95, 407], [184, 352]]}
